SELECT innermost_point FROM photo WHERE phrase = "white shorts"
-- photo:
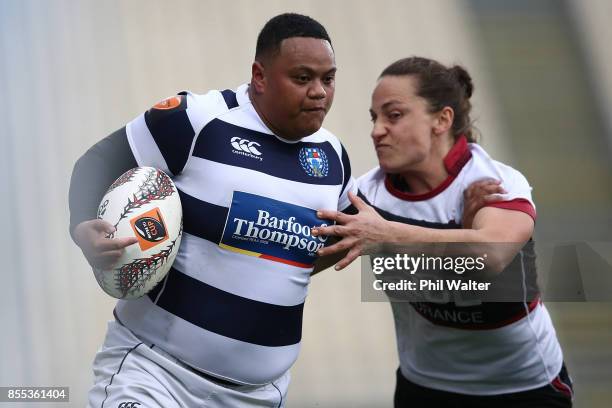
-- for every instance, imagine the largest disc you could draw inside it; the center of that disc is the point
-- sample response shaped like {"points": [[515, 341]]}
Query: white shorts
{"points": [[130, 374]]}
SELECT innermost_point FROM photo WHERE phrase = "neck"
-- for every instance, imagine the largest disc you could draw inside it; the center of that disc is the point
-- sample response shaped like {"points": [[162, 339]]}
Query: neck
{"points": [[431, 172]]}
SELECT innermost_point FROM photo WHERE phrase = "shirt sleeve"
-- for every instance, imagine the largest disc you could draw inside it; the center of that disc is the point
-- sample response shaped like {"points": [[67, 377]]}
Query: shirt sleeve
{"points": [[518, 197], [348, 183], [162, 137], [94, 171]]}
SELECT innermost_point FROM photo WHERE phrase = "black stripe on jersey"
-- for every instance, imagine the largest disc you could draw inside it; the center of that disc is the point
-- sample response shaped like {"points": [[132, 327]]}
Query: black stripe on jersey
{"points": [[346, 164], [227, 314], [420, 223], [203, 219], [230, 98], [173, 134], [278, 158]]}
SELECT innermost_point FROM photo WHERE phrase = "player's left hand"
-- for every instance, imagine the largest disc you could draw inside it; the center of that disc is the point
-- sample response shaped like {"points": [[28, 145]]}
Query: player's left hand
{"points": [[356, 231]]}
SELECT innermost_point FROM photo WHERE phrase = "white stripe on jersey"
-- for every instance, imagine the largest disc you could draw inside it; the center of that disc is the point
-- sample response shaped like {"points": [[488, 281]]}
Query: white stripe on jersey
{"points": [[206, 171], [276, 282], [201, 109], [143, 146]]}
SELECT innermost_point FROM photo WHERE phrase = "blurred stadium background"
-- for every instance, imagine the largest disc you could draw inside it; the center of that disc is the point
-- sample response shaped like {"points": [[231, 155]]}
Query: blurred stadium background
{"points": [[71, 71]]}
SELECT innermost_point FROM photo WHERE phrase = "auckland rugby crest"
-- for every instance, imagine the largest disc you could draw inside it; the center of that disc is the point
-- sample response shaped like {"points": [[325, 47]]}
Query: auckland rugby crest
{"points": [[314, 161], [271, 229]]}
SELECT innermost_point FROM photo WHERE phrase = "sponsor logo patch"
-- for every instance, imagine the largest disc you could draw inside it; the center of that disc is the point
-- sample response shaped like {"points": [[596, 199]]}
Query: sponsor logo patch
{"points": [[314, 161], [168, 103], [149, 228], [271, 229]]}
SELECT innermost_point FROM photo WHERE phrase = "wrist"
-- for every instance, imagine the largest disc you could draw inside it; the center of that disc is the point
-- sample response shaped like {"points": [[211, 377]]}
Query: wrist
{"points": [[398, 233], [77, 232]]}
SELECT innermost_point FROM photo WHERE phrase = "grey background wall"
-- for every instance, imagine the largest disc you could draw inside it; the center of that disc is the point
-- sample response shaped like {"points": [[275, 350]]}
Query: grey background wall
{"points": [[73, 71]]}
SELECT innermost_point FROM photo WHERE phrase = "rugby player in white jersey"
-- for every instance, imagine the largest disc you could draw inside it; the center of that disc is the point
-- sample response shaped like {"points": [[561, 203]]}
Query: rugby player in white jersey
{"points": [[224, 327], [484, 355]]}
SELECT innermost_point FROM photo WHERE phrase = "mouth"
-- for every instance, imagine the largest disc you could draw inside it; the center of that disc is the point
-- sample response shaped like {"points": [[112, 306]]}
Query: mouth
{"points": [[319, 110]]}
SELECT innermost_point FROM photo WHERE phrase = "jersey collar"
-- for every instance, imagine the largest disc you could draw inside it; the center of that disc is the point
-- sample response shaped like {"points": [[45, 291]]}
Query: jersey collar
{"points": [[242, 94], [454, 161]]}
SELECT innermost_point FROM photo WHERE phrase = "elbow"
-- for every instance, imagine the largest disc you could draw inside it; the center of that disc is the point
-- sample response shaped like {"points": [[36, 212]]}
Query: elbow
{"points": [[499, 256], [494, 265]]}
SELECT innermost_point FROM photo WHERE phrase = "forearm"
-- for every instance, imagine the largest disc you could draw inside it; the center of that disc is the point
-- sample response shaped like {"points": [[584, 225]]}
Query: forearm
{"points": [[500, 238], [399, 233]]}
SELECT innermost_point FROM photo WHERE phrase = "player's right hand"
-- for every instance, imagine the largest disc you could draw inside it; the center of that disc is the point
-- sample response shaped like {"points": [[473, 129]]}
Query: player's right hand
{"points": [[101, 252]]}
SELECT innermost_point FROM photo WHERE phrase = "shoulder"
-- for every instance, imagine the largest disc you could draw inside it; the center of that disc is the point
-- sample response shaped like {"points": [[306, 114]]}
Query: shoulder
{"points": [[518, 191], [370, 180], [186, 106], [163, 135], [483, 166]]}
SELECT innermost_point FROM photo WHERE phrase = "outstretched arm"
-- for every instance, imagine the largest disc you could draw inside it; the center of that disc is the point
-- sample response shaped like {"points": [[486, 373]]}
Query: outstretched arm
{"points": [[368, 227]]}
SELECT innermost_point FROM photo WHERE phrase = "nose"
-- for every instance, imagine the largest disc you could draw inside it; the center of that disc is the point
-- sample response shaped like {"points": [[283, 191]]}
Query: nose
{"points": [[317, 90], [378, 131]]}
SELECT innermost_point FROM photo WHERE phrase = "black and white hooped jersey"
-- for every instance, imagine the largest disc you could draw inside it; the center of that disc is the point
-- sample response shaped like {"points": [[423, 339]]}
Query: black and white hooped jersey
{"points": [[481, 349], [232, 303]]}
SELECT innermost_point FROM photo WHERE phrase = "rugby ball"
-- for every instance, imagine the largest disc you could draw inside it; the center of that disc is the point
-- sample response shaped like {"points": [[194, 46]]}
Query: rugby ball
{"points": [[142, 203]]}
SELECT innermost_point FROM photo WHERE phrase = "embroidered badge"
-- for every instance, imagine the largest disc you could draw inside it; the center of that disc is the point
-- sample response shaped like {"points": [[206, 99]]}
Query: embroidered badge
{"points": [[314, 161]]}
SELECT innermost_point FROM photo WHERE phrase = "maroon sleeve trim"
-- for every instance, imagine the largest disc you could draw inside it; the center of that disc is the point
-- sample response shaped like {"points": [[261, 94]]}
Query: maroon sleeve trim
{"points": [[518, 204]]}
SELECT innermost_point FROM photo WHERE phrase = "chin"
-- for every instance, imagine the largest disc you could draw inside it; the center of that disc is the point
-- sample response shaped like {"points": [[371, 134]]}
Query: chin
{"points": [[391, 168], [312, 128], [385, 165], [297, 134]]}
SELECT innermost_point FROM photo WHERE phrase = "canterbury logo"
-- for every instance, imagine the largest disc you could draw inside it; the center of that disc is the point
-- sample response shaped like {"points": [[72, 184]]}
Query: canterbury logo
{"points": [[129, 405], [245, 145]]}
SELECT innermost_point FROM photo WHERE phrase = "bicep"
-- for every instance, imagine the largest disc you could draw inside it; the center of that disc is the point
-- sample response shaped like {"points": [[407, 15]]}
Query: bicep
{"points": [[94, 171], [504, 225]]}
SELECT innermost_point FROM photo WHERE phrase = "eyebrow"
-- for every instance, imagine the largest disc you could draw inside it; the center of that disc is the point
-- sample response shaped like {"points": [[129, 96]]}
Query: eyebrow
{"points": [[310, 70], [391, 102], [386, 105]]}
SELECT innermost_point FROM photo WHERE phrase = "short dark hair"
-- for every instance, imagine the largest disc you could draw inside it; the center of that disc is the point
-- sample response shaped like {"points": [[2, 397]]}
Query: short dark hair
{"points": [[287, 25], [440, 86]]}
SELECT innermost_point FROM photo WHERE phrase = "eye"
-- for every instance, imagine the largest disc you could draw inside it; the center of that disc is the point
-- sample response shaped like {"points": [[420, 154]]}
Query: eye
{"points": [[328, 80], [302, 78], [394, 115], [372, 117]]}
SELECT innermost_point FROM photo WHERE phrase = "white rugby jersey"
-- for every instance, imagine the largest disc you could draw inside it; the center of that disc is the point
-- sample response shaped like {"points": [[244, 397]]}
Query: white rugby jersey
{"points": [[231, 305], [485, 349]]}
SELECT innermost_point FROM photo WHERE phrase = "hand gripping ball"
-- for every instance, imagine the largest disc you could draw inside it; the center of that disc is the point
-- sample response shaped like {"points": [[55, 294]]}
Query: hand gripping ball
{"points": [[142, 203]]}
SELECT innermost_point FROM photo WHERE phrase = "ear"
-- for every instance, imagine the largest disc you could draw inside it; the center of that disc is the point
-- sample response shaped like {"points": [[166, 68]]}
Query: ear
{"points": [[258, 78], [444, 120]]}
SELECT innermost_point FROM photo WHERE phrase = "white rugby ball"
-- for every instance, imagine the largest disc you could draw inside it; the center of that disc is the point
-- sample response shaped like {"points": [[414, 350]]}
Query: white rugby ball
{"points": [[142, 203]]}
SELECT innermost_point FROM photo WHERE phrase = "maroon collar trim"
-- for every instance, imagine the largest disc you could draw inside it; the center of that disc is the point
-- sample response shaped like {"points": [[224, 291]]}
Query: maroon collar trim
{"points": [[455, 160], [457, 156]]}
